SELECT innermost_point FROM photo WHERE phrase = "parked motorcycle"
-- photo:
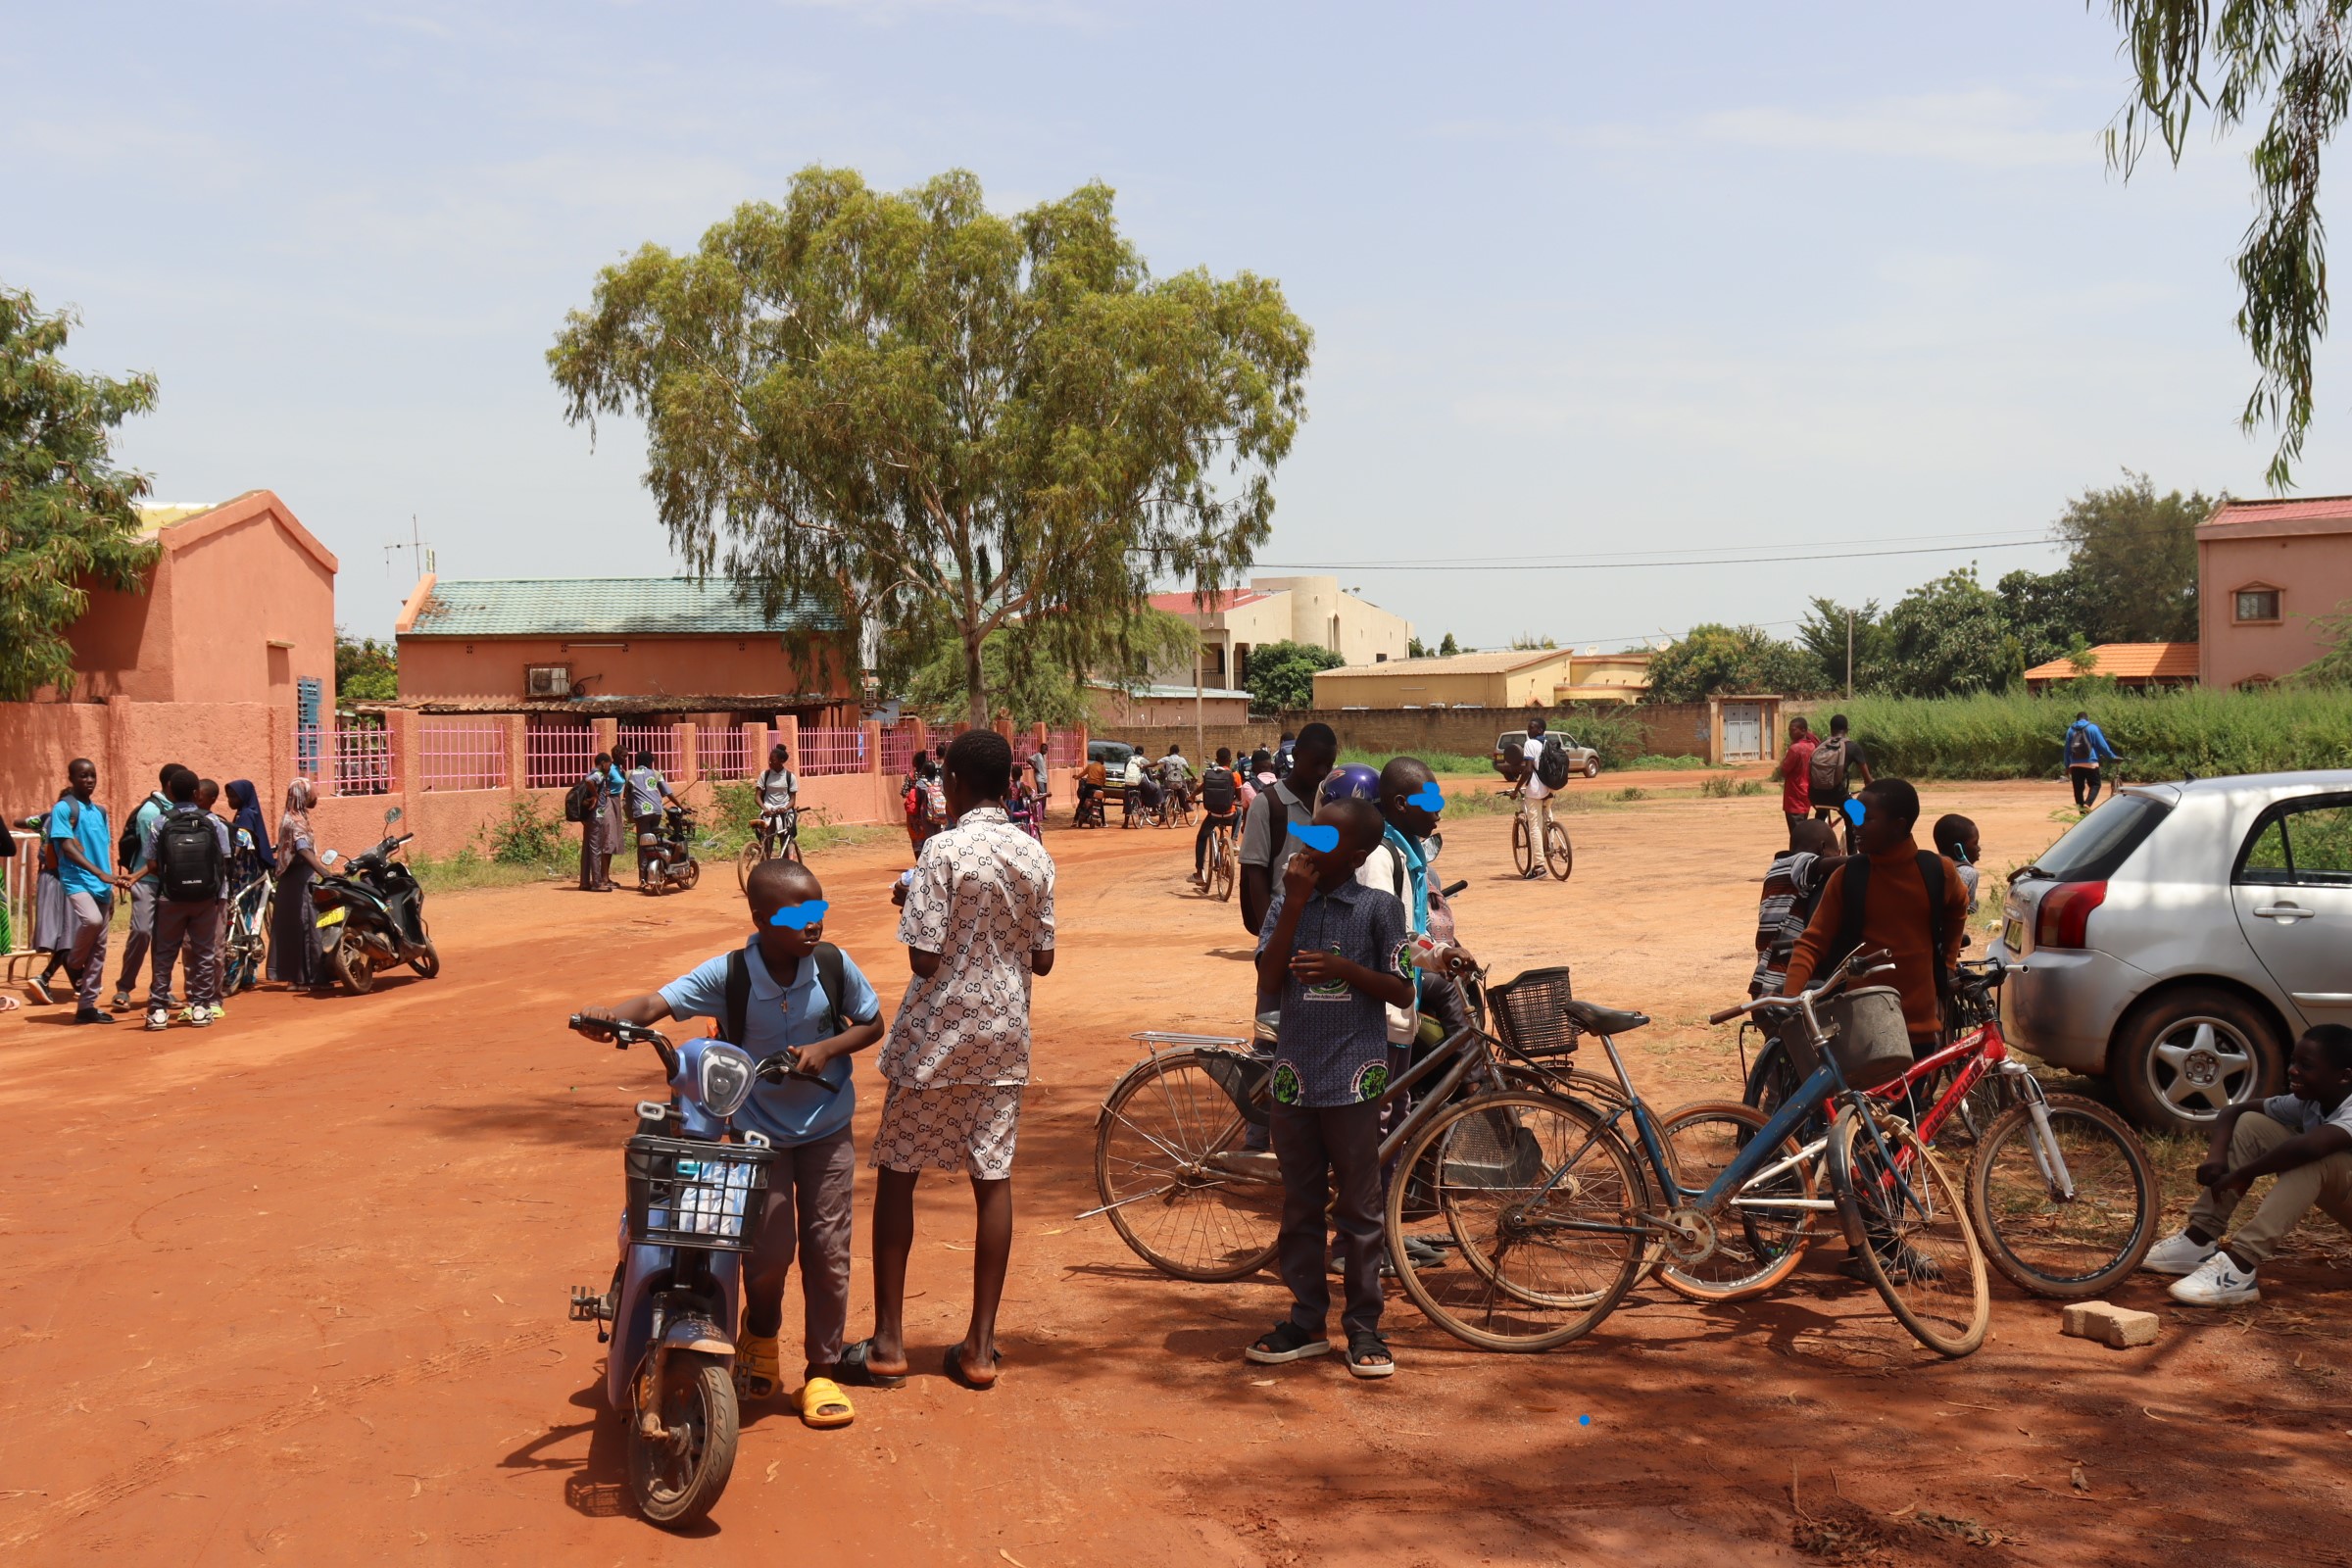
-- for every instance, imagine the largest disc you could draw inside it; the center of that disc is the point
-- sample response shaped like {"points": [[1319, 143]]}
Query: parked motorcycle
{"points": [[693, 1198], [371, 915], [665, 859]]}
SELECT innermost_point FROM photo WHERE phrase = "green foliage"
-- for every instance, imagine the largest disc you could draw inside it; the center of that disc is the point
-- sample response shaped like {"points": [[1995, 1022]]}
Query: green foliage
{"points": [[1448, 647], [1446, 764], [67, 513], [525, 835], [2333, 667], [1824, 634], [1613, 729], [2133, 561], [1415, 648], [2230, 57], [1950, 635], [2014, 735], [1652, 762], [931, 418], [1529, 641], [1632, 792], [1281, 677], [1713, 659], [365, 670], [1722, 787]]}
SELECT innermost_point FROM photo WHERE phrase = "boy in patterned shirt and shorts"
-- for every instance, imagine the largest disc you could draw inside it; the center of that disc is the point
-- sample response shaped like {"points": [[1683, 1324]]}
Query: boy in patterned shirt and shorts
{"points": [[1340, 954], [978, 923]]}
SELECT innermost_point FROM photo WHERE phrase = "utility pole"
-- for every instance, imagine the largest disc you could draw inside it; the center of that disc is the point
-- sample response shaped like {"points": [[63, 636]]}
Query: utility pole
{"points": [[1849, 656], [1199, 744]]}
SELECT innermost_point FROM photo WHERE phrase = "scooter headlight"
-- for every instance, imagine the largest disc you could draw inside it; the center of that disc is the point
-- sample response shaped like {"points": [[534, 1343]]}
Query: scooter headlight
{"points": [[726, 1080]]}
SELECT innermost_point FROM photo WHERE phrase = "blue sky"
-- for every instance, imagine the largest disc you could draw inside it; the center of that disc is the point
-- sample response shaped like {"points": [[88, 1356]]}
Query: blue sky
{"points": [[1586, 280]]}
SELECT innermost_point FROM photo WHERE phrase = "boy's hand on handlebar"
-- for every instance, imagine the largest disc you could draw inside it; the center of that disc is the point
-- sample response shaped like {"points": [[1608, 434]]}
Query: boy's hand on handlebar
{"points": [[597, 1023]]}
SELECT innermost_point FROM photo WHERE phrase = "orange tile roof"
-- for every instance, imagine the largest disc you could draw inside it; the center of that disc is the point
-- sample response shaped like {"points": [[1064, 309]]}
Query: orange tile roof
{"points": [[2304, 509], [2128, 661], [1181, 603]]}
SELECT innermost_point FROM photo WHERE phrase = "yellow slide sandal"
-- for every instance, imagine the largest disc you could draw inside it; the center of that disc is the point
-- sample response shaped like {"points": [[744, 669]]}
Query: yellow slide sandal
{"points": [[823, 1406]]}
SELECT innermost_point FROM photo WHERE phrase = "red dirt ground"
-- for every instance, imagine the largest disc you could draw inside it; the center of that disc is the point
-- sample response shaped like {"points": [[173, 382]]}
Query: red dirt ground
{"points": [[293, 1290]]}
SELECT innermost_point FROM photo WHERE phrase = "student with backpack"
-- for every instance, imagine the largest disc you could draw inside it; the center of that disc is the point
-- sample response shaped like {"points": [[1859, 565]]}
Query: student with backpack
{"points": [[127, 855], [84, 848], [586, 804], [1834, 760], [1547, 770], [2086, 749], [184, 853], [786, 991], [1220, 806]]}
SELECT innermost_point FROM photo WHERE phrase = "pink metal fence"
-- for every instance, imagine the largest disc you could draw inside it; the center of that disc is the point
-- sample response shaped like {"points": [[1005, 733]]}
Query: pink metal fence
{"points": [[1061, 747], [720, 753], [556, 753], [659, 739], [351, 758], [897, 749], [19, 880], [833, 751], [461, 753]]}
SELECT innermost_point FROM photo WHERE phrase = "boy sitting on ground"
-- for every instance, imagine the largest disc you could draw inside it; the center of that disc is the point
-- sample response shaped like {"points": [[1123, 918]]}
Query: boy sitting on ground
{"points": [[2303, 1137], [1338, 956], [795, 994]]}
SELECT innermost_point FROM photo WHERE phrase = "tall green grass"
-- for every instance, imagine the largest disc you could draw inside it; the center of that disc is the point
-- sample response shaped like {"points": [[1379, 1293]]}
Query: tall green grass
{"points": [[2207, 733]]}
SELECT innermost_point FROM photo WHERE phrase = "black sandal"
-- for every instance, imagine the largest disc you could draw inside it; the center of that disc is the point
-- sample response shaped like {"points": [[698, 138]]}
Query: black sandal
{"points": [[1361, 1345], [1286, 1340], [962, 1378], [855, 1369]]}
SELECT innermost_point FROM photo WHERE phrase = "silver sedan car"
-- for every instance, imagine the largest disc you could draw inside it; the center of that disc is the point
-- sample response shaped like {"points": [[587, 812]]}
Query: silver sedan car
{"points": [[2179, 938]]}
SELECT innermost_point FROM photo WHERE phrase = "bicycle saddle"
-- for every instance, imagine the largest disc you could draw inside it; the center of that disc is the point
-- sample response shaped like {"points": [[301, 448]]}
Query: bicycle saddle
{"points": [[1595, 1019]]}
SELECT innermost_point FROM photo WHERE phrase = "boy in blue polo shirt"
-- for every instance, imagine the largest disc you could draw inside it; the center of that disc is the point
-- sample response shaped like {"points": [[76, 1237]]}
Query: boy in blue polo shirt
{"points": [[792, 1005], [1340, 954], [85, 869]]}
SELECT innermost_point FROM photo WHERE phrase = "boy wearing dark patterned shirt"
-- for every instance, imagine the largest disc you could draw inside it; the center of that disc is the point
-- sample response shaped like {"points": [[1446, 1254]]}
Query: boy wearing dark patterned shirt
{"points": [[1340, 954]]}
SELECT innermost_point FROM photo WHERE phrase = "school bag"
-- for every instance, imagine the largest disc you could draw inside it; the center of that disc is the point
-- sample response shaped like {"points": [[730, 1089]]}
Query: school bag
{"points": [[579, 801], [738, 1001], [1218, 792], [1827, 772], [50, 859], [187, 857], [127, 847], [2078, 746], [1856, 872], [935, 798], [1552, 763]]}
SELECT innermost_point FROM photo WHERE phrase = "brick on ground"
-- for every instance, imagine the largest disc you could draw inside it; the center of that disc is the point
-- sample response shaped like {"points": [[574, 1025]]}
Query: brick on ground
{"points": [[2118, 1328]]}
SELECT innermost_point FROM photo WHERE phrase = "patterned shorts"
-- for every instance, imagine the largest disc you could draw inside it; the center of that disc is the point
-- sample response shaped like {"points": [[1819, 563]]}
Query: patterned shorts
{"points": [[947, 1126]]}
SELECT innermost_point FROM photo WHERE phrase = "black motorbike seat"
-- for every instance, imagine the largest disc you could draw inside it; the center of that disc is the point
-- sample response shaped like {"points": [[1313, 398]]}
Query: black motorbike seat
{"points": [[1594, 1018]]}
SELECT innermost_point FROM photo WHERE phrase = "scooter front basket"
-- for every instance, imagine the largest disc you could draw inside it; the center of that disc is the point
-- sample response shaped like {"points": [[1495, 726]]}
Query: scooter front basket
{"points": [[686, 1193]]}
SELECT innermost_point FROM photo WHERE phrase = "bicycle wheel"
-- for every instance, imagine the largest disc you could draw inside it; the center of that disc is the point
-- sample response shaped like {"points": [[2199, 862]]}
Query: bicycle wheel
{"points": [[1757, 1247], [2068, 1247], [1221, 867], [1921, 1253], [1182, 1189], [1543, 1201], [1557, 853], [746, 860], [1519, 852]]}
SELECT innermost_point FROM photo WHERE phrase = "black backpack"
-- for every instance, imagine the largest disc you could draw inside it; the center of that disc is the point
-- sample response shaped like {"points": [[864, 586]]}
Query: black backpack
{"points": [[1218, 791], [1552, 763], [579, 801], [738, 1003], [1856, 872], [2077, 747], [189, 862], [129, 846]]}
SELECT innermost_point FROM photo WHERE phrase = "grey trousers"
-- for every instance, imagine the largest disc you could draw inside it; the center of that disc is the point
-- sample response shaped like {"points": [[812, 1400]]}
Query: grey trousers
{"points": [[2327, 1182], [196, 927], [142, 932], [1317, 1151], [812, 1189], [88, 916]]}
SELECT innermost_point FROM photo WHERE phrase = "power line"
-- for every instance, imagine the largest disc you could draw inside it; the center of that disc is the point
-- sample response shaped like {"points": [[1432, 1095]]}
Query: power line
{"points": [[1523, 563]]}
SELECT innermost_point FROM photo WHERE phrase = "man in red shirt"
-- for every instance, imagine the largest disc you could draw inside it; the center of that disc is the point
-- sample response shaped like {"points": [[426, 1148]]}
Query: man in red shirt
{"points": [[1796, 776]]}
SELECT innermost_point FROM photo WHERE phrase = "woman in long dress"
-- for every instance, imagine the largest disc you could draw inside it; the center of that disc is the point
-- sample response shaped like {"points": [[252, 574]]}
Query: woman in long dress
{"points": [[293, 930]]}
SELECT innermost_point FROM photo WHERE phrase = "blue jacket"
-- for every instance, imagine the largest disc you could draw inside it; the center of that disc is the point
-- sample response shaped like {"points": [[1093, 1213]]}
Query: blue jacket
{"points": [[2100, 751]]}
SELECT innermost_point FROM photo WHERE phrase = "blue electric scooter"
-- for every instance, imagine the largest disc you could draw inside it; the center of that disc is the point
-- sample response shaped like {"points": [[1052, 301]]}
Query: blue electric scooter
{"points": [[694, 1200]]}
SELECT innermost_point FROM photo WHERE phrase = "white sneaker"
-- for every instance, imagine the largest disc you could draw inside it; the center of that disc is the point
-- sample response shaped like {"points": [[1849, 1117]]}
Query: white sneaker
{"points": [[2218, 1282], [2178, 1255], [158, 1018]]}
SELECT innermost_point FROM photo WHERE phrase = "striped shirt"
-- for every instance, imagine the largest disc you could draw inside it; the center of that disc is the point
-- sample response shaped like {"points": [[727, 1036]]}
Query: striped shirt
{"points": [[1790, 889]]}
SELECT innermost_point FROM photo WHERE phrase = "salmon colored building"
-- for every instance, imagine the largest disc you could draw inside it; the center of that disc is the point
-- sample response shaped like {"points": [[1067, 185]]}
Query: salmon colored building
{"points": [[2265, 569], [2141, 667]]}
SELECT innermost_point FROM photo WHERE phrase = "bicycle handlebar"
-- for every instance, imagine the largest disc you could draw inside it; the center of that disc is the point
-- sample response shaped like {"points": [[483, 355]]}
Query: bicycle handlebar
{"points": [[1861, 966], [624, 1034]]}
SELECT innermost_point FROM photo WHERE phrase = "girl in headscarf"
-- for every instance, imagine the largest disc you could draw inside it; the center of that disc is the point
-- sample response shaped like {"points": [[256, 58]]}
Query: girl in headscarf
{"points": [[246, 801], [293, 940]]}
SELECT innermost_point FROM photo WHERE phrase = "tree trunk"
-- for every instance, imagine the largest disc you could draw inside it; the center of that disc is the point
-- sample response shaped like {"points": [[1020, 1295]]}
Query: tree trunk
{"points": [[975, 682]]}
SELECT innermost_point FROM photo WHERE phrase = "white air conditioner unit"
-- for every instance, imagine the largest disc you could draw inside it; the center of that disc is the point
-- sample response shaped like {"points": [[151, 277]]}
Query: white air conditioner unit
{"points": [[548, 681]]}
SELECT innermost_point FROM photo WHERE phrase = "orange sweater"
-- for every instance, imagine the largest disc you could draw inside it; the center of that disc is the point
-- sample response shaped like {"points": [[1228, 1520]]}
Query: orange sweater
{"points": [[1896, 920]]}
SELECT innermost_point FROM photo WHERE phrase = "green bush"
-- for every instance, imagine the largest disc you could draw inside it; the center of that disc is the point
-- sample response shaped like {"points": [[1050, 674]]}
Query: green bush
{"points": [[526, 836], [2012, 735], [1610, 728], [1652, 762]]}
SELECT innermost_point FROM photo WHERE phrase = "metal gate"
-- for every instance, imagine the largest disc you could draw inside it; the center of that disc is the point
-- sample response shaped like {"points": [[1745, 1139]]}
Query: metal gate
{"points": [[1742, 732]]}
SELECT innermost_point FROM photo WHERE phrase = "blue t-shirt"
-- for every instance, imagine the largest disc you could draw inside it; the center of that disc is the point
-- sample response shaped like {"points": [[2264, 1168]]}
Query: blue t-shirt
{"points": [[777, 1016], [85, 825], [1332, 1048], [142, 823]]}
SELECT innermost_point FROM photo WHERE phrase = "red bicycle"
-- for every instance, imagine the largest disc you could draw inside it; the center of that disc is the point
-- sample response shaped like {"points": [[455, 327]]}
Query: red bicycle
{"points": [[2060, 1190]]}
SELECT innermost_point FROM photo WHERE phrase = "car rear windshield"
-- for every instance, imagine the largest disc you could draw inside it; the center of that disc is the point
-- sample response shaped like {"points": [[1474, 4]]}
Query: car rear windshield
{"points": [[2096, 847]]}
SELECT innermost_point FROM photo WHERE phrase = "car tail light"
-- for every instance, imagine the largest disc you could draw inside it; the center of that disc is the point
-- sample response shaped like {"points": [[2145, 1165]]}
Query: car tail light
{"points": [[2064, 916]]}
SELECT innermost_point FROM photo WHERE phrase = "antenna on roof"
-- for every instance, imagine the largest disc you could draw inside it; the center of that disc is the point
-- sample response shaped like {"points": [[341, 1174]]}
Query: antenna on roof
{"points": [[420, 554]]}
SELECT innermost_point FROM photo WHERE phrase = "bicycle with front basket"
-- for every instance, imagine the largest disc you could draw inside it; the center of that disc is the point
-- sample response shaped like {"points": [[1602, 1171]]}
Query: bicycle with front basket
{"points": [[1557, 1207]]}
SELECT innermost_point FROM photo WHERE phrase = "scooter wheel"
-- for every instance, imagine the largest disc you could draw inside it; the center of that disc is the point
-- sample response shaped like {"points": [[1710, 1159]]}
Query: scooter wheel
{"points": [[678, 1479], [429, 963], [687, 875], [352, 968]]}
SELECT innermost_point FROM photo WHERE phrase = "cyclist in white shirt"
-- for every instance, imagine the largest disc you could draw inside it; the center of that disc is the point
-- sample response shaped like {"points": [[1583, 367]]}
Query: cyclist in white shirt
{"points": [[778, 789]]}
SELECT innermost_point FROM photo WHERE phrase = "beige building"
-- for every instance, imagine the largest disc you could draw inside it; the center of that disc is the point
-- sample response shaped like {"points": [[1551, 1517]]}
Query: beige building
{"points": [[1282, 610], [2265, 568], [1597, 678], [1518, 678]]}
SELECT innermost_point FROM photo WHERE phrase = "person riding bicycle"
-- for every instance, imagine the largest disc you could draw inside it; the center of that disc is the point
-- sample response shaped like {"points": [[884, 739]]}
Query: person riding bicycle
{"points": [[779, 790], [1143, 792], [1176, 778], [1220, 806]]}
